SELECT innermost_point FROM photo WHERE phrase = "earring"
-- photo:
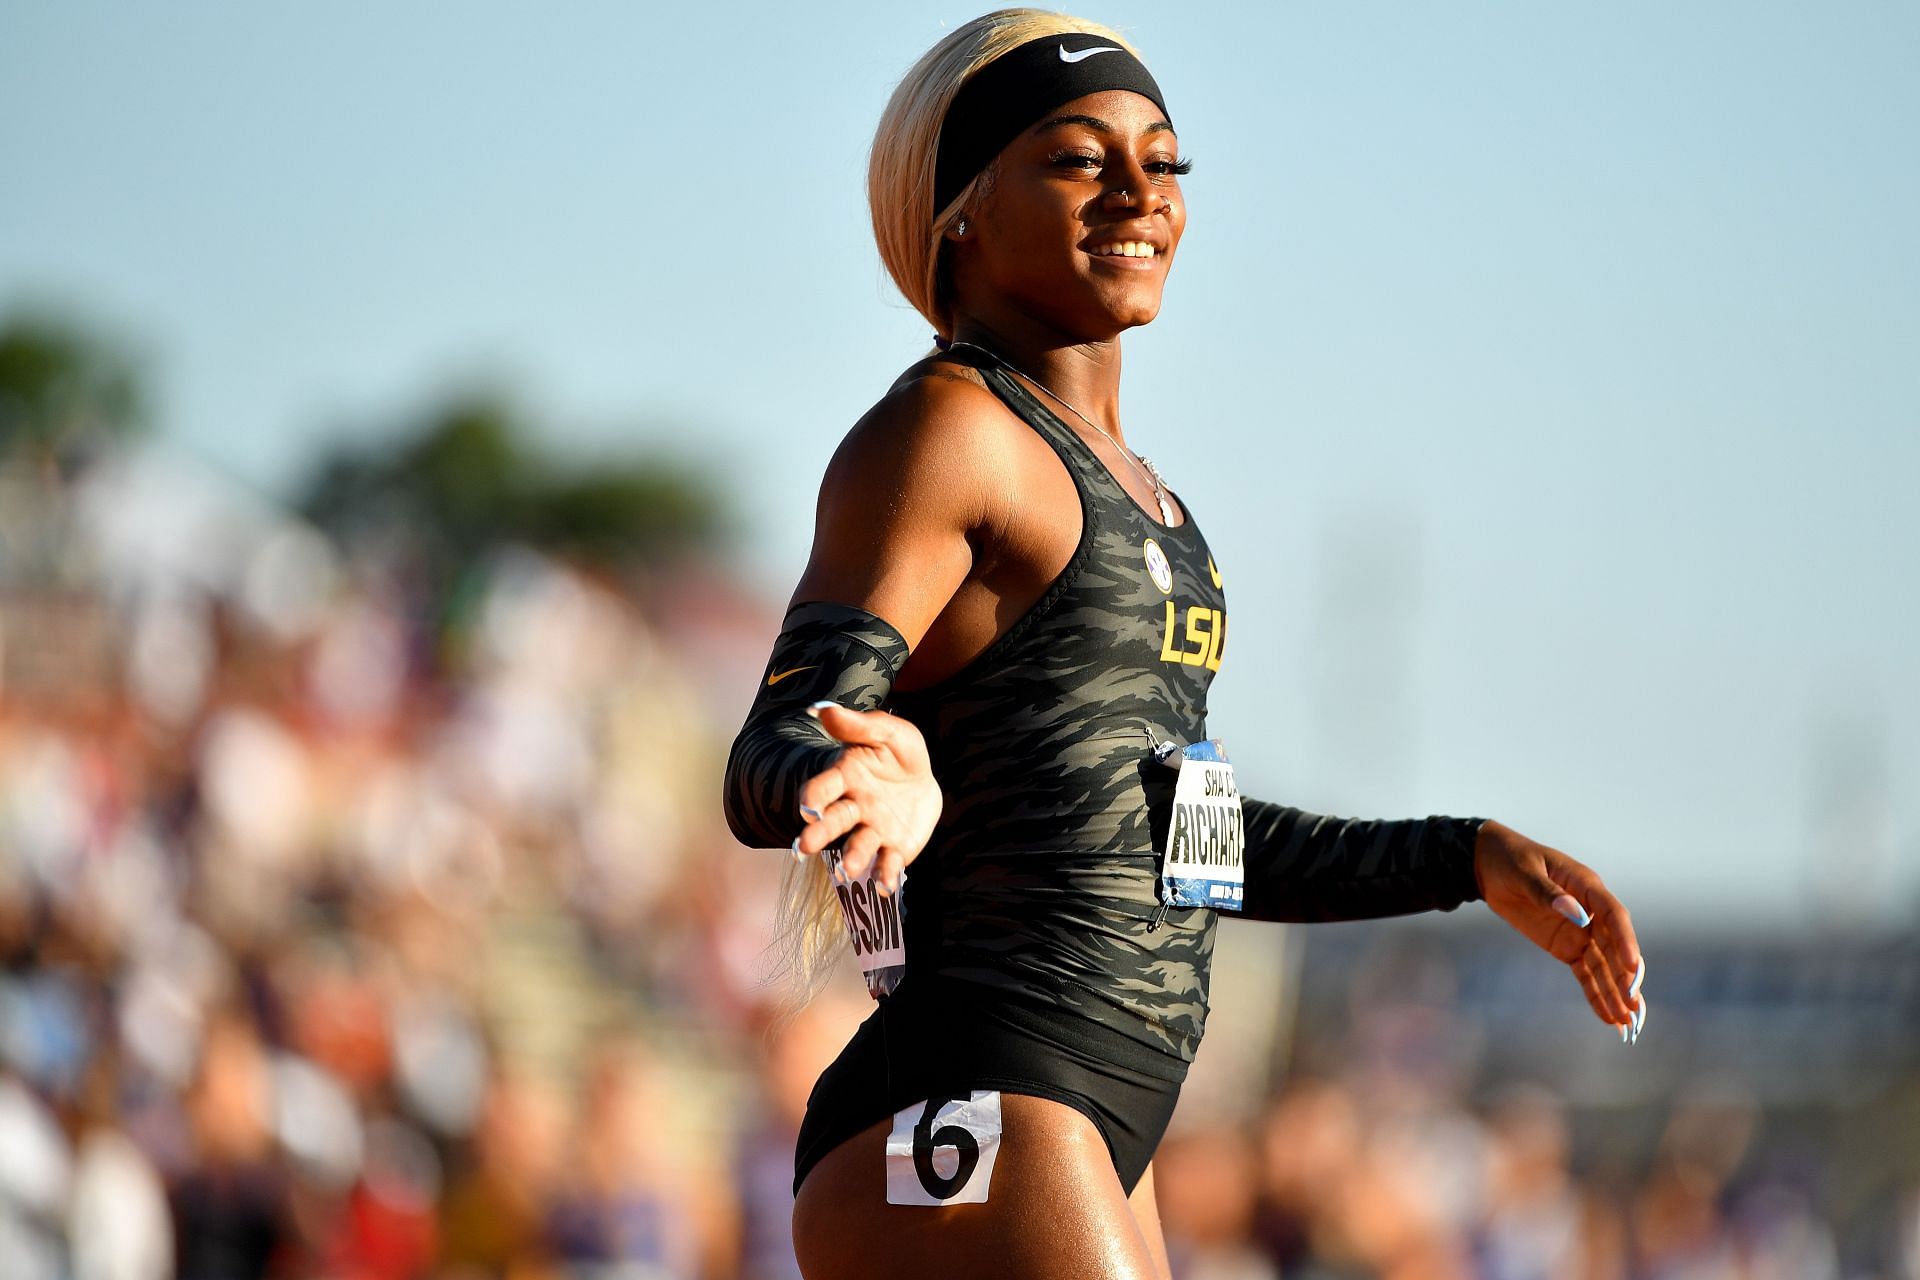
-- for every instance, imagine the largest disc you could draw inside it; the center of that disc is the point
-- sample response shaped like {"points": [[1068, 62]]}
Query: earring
{"points": [[960, 227]]}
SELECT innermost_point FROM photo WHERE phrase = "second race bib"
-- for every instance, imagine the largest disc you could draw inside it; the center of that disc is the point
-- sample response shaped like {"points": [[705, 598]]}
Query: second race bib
{"points": [[874, 925]]}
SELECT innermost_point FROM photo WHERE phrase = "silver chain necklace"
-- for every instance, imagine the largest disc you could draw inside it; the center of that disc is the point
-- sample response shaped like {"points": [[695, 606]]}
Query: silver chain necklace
{"points": [[1141, 463]]}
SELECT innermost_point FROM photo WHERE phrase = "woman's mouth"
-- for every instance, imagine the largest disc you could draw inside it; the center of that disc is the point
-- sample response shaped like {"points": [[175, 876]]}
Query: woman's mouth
{"points": [[1126, 255]]}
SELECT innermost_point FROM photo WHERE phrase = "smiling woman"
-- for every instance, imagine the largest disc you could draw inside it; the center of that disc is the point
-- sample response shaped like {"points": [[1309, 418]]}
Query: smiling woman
{"points": [[925, 172], [994, 671]]}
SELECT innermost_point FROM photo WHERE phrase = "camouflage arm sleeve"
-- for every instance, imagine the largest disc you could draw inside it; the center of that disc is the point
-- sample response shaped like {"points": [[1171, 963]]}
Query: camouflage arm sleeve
{"points": [[1303, 867], [831, 651]]}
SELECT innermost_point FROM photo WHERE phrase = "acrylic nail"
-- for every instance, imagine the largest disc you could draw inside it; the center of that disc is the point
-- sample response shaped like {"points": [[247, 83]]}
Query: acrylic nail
{"points": [[810, 813], [1623, 1035], [1569, 907], [814, 708], [1639, 976], [1640, 1018]]}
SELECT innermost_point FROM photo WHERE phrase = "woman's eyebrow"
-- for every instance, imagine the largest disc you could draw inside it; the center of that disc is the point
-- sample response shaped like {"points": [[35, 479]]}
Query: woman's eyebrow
{"points": [[1095, 122]]}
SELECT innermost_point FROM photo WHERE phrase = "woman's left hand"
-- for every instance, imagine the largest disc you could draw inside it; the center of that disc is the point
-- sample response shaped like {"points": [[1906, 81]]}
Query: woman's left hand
{"points": [[1564, 908]]}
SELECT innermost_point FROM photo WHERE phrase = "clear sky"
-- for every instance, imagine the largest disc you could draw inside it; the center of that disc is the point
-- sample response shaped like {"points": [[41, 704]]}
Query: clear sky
{"points": [[1546, 377]]}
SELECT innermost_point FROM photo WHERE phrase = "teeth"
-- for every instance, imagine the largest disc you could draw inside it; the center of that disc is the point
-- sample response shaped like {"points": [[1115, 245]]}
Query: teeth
{"points": [[1126, 249]]}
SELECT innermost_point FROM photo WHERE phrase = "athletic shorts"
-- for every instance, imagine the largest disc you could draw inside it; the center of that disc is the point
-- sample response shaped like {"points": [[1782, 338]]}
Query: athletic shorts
{"points": [[948, 1037]]}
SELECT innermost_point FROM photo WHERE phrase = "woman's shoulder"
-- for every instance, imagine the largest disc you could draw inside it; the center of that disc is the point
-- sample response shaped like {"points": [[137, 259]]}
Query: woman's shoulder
{"points": [[939, 446], [938, 413], [940, 390]]}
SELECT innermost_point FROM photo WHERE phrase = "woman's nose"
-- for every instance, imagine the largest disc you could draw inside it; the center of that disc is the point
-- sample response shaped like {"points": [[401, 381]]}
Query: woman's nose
{"points": [[1138, 195]]}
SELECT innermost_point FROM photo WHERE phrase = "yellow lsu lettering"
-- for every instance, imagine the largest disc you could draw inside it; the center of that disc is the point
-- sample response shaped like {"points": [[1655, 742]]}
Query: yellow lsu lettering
{"points": [[1206, 633]]}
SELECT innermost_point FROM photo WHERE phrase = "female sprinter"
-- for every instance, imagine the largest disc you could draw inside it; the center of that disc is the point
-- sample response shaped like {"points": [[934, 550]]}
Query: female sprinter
{"points": [[983, 728]]}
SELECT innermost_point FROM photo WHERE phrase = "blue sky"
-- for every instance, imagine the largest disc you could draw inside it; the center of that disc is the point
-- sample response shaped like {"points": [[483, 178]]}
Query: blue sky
{"points": [[1547, 377]]}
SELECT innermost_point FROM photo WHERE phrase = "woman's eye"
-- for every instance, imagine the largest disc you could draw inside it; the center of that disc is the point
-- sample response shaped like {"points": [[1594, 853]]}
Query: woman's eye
{"points": [[1165, 168], [1076, 160]]}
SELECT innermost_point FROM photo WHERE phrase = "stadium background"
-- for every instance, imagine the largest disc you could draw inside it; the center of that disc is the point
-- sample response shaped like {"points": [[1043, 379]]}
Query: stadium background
{"points": [[408, 429]]}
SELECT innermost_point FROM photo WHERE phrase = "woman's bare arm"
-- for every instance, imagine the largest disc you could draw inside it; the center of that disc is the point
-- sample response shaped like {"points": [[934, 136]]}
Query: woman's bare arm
{"points": [[910, 502]]}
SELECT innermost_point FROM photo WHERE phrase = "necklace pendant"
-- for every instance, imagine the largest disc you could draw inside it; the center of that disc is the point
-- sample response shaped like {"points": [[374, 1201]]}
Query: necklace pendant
{"points": [[1166, 508]]}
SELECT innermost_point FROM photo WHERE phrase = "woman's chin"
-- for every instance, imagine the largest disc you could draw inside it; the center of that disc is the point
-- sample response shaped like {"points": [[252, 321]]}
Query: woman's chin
{"points": [[1115, 311], [1134, 315], [1136, 303]]}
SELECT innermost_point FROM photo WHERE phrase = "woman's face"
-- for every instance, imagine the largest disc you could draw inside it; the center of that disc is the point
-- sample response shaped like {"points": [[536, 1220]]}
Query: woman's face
{"points": [[1080, 222]]}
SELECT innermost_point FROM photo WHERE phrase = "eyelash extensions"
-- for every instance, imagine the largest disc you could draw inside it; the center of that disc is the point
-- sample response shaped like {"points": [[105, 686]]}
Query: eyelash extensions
{"points": [[1178, 168]]}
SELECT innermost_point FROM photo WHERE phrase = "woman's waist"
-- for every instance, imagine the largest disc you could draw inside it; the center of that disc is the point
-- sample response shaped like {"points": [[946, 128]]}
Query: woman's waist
{"points": [[1093, 886], [981, 1005], [1076, 931]]}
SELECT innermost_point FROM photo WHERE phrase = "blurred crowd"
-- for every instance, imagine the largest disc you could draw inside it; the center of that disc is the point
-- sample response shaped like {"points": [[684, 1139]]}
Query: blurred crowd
{"points": [[1382, 1170], [352, 933]]}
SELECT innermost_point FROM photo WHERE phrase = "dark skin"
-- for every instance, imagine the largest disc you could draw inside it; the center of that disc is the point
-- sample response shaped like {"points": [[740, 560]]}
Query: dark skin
{"points": [[979, 517]]}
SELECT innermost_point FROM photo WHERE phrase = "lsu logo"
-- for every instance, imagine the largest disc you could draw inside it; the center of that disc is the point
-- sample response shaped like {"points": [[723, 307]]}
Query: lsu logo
{"points": [[1157, 567], [1204, 638], [1197, 636]]}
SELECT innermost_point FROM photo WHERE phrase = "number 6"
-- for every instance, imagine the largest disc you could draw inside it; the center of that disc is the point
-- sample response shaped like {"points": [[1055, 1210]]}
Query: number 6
{"points": [[926, 1138]]}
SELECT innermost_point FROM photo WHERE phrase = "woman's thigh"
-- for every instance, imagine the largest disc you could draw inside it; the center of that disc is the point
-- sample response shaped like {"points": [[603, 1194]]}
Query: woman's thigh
{"points": [[1054, 1211], [1146, 1216]]}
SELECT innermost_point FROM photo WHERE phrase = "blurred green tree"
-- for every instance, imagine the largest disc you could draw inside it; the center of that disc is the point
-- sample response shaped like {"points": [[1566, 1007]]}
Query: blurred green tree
{"points": [[65, 391], [468, 481]]}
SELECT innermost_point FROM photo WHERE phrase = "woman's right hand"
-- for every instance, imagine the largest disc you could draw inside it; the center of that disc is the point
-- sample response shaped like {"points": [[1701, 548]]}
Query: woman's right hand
{"points": [[880, 794]]}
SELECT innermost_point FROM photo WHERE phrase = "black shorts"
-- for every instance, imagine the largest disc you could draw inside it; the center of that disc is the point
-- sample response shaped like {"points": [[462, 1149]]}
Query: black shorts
{"points": [[948, 1037]]}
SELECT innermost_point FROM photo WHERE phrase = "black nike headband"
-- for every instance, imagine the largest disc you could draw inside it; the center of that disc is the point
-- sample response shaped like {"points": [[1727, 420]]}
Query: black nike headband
{"points": [[1016, 89]]}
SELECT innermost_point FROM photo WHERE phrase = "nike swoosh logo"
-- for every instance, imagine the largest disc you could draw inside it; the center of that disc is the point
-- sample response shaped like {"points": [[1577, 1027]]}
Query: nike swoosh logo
{"points": [[782, 675], [1084, 54], [1213, 572]]}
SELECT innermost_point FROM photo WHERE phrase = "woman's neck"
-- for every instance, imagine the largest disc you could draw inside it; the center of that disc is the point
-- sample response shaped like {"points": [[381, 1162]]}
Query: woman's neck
{"points": [[1086, 375]]}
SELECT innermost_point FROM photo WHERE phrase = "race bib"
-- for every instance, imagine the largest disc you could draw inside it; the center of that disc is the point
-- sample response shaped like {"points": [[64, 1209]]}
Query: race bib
{"points": [[1204, 863], [941, 1151], [875, 925]]}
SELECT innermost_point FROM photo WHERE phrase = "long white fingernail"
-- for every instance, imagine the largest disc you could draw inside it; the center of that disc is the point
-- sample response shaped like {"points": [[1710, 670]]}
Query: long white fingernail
{"points": [[798, 855], [1640, 1018], [1567, 905], [814, 708], [810, 813], [1623, 1035], [1639, 976]]}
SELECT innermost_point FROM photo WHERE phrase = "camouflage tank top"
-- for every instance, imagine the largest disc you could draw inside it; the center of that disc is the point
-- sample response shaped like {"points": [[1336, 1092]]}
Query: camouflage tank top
{"points": [[1041, 880]]}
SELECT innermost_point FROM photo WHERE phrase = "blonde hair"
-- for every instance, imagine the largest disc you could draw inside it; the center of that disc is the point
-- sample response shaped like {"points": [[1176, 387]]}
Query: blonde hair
{"points": [[808, 931], [900, 169]]}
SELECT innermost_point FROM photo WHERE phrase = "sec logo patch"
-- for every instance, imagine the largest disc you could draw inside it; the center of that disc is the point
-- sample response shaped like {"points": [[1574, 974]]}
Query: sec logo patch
{"points": [[1157, 567]]}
